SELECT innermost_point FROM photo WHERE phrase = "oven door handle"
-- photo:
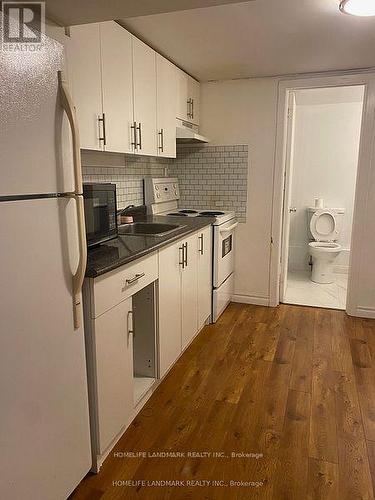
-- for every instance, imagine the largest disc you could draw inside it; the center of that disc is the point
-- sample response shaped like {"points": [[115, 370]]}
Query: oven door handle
{"points": [[228, 229]]}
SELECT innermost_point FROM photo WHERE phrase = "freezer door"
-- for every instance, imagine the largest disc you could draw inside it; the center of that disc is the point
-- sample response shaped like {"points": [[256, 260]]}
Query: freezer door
{"points": [[44, 421], [35, 139]]}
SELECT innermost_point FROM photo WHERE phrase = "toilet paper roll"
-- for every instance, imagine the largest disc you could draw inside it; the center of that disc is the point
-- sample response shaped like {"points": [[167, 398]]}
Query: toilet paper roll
{"points": [[319, 203]]}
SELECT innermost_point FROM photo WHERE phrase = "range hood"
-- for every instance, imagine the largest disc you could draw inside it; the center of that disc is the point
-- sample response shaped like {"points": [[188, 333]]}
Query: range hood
{"points": [[187, 132]]}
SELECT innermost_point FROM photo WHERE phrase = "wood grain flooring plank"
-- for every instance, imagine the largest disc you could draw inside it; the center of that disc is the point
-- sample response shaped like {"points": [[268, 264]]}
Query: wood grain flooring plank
{"points": [[323, 480], [323, 434], [292, 471], [301, 378]]}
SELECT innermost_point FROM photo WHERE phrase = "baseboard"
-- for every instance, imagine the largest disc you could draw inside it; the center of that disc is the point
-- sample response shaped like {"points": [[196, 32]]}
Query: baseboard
{"points": [[363, 312], [250, 299]]}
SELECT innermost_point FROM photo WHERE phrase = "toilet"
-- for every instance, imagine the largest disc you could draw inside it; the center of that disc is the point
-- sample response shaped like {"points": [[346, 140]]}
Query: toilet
{"points": [[325, 226]]}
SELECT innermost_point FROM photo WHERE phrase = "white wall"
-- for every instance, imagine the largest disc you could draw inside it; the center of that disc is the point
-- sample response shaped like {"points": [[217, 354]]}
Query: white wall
{"points": [[326, 144], [244, 112]]}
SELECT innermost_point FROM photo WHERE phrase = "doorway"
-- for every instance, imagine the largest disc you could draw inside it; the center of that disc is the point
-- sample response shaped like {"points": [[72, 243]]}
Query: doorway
{"points": [[323, 129]]}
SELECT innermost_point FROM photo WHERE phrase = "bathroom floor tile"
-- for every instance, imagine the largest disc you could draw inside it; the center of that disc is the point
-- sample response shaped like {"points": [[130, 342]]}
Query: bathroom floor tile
{"points": [[302, 291]]}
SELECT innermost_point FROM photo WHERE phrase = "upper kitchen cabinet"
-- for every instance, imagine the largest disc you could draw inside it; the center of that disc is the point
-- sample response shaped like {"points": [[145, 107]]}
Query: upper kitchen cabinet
{"points": [[144, 88], [85, 77], [117, 88], [166, 86], [188, 100]]}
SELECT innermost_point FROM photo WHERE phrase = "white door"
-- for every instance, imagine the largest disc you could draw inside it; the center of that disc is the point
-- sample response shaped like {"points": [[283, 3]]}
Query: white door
{"points": [[288, 210], [85, 77], [189, 291], [183, 106], [144, 85], [35, 136], [117, 84], [44, 431], [170, 262], [204, 239], [114, 369], [166, 109], [194, 96]]}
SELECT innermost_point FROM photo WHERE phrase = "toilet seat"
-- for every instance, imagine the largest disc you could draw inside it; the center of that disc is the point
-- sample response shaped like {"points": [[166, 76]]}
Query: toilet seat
{"points": [[325, 246], [323, 225]]}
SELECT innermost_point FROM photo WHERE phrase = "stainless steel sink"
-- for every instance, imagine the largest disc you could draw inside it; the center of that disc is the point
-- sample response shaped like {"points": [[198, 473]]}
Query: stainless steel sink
{"points": [[148, 229]]}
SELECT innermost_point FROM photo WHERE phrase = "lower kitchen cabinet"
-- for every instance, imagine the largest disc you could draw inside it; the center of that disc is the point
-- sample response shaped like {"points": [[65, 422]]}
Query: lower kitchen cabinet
{"points": [[121, 348], [114, 372], [204, 275], [189, 291], [170, 347], [138, 320], [185, 280]]}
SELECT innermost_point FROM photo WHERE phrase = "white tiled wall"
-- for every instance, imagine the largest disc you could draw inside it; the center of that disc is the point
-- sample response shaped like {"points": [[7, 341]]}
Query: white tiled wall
{"points": [[126, 171], [209, 176], [212, 177]]}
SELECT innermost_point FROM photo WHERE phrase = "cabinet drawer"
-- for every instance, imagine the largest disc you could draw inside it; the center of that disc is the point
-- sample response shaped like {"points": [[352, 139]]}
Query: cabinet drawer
{"points": [[112, 288]]}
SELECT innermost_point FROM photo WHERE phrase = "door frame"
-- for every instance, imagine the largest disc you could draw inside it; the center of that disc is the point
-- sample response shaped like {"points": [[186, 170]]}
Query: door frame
{"points": [[287, 190], [367, 79]]}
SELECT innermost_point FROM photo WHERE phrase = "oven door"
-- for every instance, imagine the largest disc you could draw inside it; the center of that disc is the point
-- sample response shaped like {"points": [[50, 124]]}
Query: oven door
{"points": [[223, 251]]}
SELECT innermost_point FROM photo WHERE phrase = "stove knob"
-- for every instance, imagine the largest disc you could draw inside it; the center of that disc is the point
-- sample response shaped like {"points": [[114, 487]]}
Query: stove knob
{"points": [[157, 195]]}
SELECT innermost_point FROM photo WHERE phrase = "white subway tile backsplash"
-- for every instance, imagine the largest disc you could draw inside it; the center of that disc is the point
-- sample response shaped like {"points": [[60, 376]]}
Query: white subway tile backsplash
{"points": [[217, 176], [209, 176]]}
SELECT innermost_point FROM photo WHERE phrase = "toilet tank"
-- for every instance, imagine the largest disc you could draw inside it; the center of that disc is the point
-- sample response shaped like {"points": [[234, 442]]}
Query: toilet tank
{"points": [[339, 215]]}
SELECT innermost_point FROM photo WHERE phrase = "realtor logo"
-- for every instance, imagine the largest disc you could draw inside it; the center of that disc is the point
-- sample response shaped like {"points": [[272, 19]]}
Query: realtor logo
{"points": [[22, 23]]}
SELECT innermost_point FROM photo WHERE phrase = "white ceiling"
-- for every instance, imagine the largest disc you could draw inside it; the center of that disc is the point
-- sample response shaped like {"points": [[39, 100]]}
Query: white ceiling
{"points": [[70, 12], [260, 38]]}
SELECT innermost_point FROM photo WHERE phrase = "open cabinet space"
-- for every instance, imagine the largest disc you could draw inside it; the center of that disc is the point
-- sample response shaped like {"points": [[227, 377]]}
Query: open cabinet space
{"points": [[144, 341]]}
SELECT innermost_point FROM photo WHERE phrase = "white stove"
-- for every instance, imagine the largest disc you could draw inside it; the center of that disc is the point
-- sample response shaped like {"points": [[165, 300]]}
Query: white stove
{"points": [[161, 197]]}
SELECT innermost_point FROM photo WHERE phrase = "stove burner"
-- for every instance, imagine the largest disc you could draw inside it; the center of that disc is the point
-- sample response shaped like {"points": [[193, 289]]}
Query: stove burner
{"points": [[210, 213], [188, 211], [177, 214]]}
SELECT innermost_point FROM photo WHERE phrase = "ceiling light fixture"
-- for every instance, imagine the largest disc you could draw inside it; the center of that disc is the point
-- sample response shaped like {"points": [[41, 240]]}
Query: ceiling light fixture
{"points": [[364, 8]]}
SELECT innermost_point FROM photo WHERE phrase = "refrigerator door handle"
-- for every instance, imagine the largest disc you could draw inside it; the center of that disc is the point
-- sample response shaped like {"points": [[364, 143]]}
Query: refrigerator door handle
{"points": [[69, 109], [79, 275]]}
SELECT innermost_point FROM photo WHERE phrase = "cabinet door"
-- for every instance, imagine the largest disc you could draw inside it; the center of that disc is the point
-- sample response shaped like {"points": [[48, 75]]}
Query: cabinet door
{"points": [[204, 275], [144, 85], [182, 107], [166, 109], [189, 291], [85, 76], [169, 306], [114, 372], [117, 84], [194, 96]]}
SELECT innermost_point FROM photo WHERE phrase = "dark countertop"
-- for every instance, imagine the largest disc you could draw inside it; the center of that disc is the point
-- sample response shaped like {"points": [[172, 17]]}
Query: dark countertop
{"points": [[126, 248]]}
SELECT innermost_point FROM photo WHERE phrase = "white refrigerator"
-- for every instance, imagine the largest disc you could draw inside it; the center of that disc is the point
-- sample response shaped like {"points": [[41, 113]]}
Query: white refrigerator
{"points": [[44, 420]]}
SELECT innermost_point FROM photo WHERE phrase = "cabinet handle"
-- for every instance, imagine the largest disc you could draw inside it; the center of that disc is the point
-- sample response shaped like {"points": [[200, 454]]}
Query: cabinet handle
{"points": [[134, 130], [134, 279], [104, 138], [192, 108], [181, 259], [139, 128], [161, 134], [201, 244], [185, 245], [189, 108], [130, 330]]}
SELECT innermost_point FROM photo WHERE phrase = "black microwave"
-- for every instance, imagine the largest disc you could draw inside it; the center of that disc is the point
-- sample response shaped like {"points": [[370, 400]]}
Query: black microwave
{"points": [[100, 212]]}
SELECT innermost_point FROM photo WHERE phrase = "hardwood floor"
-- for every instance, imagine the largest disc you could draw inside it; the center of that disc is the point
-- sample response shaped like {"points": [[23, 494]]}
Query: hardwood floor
{"points": [[293, 384]]}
